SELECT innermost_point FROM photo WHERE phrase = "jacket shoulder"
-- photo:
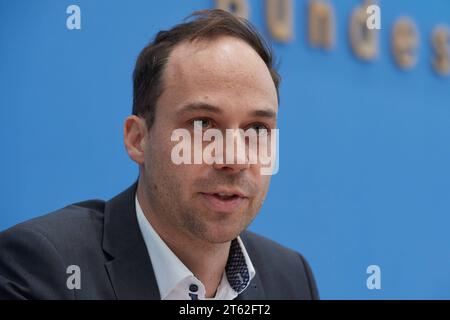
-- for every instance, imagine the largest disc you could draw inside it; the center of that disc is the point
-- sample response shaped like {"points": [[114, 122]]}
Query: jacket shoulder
{"points": [[35, 254], [64, 222]]}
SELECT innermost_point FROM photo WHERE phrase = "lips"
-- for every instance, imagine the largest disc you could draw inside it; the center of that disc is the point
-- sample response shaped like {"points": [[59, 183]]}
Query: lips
{"points": [[224, 201]]}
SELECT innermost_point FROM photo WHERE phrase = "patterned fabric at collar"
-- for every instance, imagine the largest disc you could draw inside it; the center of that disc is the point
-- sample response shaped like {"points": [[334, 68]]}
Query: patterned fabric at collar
{"points": [[236, 269]]}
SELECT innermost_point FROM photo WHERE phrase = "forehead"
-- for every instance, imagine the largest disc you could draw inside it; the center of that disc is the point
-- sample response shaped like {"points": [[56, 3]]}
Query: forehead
{"points": [[225, 71]]}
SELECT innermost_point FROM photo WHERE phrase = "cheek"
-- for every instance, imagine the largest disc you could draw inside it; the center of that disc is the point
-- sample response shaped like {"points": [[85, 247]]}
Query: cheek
{"points": [[263, 184], [165, 171], [261, 180], [157, 161], [159, 146]]}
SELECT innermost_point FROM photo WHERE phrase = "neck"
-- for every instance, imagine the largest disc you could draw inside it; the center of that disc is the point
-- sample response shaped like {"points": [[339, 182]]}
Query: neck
{"points": [[204, 259]]}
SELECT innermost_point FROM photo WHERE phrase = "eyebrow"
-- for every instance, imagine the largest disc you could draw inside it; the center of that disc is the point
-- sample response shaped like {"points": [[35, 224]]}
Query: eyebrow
{"points": [[264, 113], [202, 106]]}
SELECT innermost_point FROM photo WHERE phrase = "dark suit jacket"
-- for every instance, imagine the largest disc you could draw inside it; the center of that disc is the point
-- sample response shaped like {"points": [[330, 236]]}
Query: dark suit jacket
{"points": [[104, 240]]}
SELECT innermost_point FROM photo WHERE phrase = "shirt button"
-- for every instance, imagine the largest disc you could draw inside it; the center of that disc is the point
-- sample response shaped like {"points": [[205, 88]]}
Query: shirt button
{"points": [[193, 288]]}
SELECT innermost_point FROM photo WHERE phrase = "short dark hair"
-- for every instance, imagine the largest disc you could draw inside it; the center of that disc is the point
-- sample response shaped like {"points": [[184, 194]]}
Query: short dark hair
{"points": [[208, 24]]}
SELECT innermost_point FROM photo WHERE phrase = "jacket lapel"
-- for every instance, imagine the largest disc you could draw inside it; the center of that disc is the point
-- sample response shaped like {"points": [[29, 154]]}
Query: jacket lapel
{"points": [[130, 269], [254, 291]]}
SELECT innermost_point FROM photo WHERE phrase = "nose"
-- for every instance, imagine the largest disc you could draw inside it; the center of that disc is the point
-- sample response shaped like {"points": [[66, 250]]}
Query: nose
{"points": [[231, 168], [235, 157]]}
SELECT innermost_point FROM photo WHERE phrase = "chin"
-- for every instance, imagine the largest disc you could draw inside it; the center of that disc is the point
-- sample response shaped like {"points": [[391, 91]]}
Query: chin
{"points": [[221, 234]]}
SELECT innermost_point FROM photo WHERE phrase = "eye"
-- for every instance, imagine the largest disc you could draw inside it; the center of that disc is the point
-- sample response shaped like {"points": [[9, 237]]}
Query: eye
{"points": [[261, 129], [201, 123]]}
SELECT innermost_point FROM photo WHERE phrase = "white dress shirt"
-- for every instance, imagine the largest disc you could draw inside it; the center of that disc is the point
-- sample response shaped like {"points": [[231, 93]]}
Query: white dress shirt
{"points": [[177, 282]]}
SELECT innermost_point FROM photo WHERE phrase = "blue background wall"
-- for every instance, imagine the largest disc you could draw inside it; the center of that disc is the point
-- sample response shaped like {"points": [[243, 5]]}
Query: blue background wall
{"points": [[365, 158]]}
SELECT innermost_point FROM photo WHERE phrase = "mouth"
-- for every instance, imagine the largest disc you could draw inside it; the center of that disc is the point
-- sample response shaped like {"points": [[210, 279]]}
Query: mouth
{"points": [[224, 201]]}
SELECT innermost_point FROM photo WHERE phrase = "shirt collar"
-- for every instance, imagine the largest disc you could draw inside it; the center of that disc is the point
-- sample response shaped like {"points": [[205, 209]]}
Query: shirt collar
{"points": [[170, 271]]}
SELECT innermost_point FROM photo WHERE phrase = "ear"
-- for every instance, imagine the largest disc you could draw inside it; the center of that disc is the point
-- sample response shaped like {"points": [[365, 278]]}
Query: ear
{"points": [[135, 135]]}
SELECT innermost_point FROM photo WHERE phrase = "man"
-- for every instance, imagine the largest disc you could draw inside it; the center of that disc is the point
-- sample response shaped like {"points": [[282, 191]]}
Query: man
{"points": [[179, 232]]}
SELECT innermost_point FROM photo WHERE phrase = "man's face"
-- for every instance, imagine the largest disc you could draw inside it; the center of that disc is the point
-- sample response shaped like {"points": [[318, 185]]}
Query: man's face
{"points": [[224, 84]]}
